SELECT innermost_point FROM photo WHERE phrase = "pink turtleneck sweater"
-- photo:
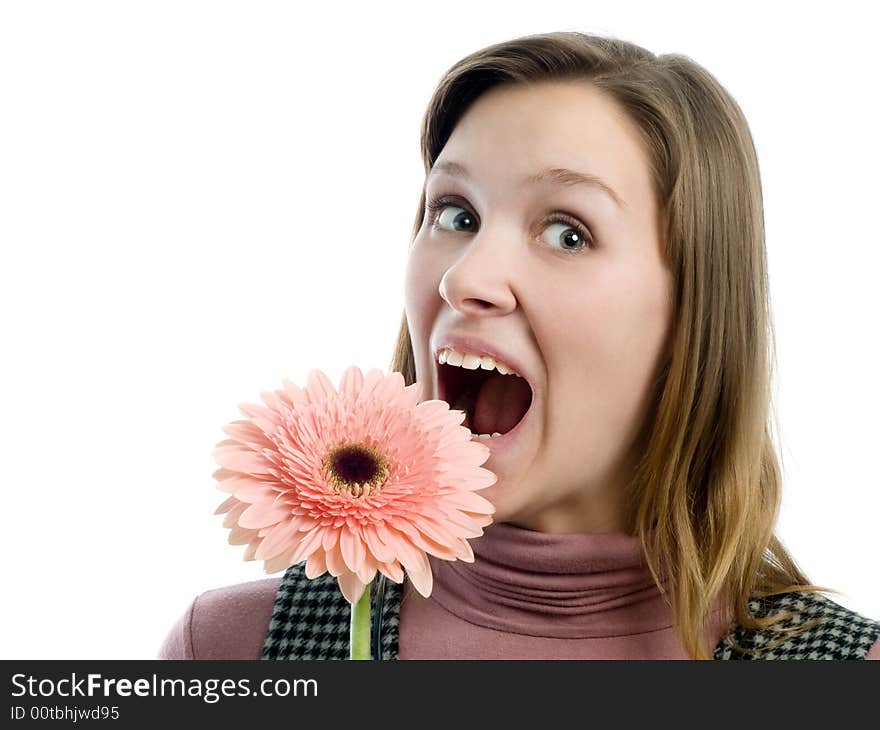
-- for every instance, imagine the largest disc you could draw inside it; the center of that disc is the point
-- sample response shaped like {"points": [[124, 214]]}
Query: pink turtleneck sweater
{"points": [[527, 595]]}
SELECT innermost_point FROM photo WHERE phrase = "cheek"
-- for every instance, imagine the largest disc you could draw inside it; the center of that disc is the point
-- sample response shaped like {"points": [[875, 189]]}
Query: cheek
{"points": [[615, 321], [603, 344], [421, 304], [419, 284], [423, 266], [574, 323], [643, 319]]}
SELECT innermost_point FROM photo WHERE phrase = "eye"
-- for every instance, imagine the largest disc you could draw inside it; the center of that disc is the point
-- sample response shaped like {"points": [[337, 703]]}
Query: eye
{"points": [[571, 237], [441, 218], [565, 232]]}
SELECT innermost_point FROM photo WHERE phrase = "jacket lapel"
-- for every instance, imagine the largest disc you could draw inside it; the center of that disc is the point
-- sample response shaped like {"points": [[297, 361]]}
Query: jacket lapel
{"points": [[312, 620]]}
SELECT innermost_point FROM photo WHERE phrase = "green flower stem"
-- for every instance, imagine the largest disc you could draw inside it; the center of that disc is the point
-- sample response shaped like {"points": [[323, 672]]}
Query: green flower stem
{"points": [[360, 627]]}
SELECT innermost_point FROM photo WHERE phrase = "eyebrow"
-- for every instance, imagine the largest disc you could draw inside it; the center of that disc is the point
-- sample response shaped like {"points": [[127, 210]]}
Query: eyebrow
{"points": [[557, 175]]}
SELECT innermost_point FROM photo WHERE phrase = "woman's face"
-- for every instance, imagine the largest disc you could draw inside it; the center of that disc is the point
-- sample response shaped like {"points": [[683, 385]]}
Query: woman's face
{"points": [[584, 308]]}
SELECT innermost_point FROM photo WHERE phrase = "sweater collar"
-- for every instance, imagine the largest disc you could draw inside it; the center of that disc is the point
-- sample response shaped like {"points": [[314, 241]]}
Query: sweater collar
{"points": [[573, 585]]}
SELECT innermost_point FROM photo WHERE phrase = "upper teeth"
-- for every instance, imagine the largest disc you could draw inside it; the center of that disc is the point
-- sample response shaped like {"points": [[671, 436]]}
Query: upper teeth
{"points": [[449, 356]]}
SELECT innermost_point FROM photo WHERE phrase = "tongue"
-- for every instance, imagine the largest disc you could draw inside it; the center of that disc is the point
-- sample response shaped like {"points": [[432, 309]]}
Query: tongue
{"points": [[501, 403]]}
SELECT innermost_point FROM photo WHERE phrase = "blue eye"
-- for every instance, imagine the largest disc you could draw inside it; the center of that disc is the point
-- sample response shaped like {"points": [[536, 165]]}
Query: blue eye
{"points": [[437, 208], [573, 235]]}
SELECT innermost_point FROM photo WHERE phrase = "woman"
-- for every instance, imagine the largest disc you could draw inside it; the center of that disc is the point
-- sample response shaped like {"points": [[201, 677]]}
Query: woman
{"points": [[592, 218]]}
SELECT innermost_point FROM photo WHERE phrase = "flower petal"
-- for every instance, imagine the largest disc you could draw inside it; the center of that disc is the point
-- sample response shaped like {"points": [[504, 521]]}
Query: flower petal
{"points": [[264, 514], [445, 552], [316, 565], [434, 530], [319, 387], [274, 401], [352, 383], [240, 536], [388, 388], [280, 539], [241, 458], [279, 562], [411, 557], [234, 482], [393, 571], [464, 524], [423, 580], [368, 568], [335, 563], [248, 433], [265, 418], [226, 505], [351, 586], [470, 502], [222, 474], [379, 549], [251, 550], [470, 479], [231, 518], [254, 491], [352, 548], [372, 378], [310, 542]]}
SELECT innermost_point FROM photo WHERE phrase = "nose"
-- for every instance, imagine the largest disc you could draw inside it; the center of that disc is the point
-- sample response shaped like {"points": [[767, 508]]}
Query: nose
{"points": [[480, 279]]}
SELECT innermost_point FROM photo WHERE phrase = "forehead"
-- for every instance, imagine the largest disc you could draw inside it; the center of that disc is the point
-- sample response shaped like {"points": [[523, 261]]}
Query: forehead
{"points": [[513, 131]]}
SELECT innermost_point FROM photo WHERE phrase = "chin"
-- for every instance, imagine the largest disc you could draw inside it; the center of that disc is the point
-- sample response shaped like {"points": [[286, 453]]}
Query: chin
{"points": [[504, 509]]}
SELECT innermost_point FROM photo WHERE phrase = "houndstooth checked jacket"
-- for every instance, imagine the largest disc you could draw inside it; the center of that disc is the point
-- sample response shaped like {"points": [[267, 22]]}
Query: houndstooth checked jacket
{"points": [[311, 620]]}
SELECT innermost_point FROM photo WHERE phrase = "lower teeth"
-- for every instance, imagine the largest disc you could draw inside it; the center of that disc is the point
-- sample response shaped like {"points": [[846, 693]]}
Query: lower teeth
{"points": [[485, 435]]}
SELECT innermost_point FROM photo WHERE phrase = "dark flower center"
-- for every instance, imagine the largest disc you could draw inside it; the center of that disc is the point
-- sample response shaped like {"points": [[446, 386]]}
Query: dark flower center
{"points": [[358, 469]]}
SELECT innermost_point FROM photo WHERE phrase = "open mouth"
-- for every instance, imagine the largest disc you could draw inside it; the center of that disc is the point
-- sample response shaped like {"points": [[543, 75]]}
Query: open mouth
{"points": [[492, 402]]}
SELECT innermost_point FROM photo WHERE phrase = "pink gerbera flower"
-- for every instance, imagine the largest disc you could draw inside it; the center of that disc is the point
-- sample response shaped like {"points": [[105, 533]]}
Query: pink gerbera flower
{"points": [[353, 482]]}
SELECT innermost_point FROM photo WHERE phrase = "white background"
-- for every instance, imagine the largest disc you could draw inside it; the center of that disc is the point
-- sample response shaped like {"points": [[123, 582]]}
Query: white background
{"points": [[200, 198]]}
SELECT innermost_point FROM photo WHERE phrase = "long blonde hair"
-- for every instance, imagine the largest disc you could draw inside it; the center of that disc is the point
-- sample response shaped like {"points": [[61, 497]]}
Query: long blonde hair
{"points": [[705, 495]]}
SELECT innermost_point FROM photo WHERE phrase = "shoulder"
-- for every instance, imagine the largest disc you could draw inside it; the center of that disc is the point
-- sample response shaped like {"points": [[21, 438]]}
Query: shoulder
{"points": [[229, 622], [828, 630]]}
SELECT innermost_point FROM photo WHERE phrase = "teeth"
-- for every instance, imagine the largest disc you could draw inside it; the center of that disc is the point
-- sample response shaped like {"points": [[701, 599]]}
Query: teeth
{"points": [[448, 356], [486, 435]]}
